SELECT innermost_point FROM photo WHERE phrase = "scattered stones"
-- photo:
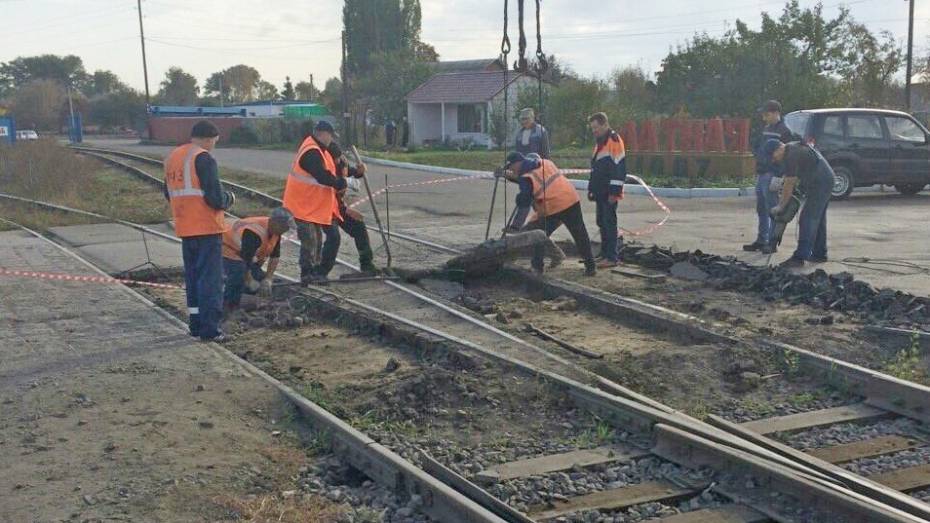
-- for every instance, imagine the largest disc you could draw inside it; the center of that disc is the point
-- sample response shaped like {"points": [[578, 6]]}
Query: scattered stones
{"points": [[205, 424], [688, 271], [89, 500], [748, 381]]}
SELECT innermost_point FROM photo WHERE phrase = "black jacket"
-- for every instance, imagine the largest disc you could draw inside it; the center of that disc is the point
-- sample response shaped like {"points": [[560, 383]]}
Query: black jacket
{"points": [[779, 131]]}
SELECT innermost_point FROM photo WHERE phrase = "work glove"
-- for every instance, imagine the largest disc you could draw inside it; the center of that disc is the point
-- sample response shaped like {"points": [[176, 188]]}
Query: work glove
{"points": [[231, 196], [499, 173], [591, 196], [777, 211], [614, 198], [360, 170], [252, 286], [264, 288]]}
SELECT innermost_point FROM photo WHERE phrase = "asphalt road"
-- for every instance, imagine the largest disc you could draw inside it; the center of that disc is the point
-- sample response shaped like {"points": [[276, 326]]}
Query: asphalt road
{"points": [[874, 225]]}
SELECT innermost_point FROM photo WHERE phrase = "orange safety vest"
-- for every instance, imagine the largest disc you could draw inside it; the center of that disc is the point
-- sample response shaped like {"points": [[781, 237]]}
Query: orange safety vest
{"points": [[192, 215], [232, 239], [305, 197], [552, 192]]}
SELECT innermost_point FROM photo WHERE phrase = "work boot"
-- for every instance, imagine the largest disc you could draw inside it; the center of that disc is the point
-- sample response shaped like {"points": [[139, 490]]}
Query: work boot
{"points": [[369, 269], [818, 259], [792, 263], [607, 263], [769, 248], [590, 268], [316, 279], [753, 247]]}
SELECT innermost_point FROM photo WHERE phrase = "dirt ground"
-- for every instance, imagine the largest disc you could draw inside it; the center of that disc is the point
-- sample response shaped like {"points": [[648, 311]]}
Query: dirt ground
{"points": [[695, 377]]}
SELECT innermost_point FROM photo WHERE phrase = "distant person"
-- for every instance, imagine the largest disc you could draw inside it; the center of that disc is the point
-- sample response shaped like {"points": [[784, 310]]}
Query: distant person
{"points": [[775, 128], [405, 132], [390, 133], [192, 186], [804, 165], [532, 137], [554, 200], [247, 245], [605, 186]]}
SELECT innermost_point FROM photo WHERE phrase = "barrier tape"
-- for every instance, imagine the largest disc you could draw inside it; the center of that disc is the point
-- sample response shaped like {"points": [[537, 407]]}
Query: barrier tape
{"points": [[641, 232], [89, 279]]}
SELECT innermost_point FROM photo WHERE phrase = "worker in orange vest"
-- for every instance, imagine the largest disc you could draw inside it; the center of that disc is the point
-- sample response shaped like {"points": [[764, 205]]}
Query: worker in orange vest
{"points": [[554, 200], [247, 244], [310, 194], [353, 223], [192, 186], [605, 187]]}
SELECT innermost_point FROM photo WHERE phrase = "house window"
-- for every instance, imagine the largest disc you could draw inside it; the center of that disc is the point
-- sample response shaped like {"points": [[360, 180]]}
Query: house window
{"points": [[471, 118]]}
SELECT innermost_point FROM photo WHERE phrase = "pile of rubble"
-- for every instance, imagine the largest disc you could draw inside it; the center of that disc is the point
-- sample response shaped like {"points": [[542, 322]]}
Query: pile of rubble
{"points": [[839, 292]]}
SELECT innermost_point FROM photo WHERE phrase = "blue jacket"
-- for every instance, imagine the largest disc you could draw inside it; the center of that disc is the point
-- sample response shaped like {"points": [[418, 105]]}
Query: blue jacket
{"points": [[538, 142], [779, 131]]}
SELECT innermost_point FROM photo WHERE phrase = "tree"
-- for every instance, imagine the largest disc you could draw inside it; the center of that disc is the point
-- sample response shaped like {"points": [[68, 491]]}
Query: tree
{"points": [[287, 92], [64, 70], [178, 88], [238, 83], [123, 107], [37, 104], [103, 82], [331, 96], [381, 26], [569, 107], [266, 91], [390, 77], [307, 91]]}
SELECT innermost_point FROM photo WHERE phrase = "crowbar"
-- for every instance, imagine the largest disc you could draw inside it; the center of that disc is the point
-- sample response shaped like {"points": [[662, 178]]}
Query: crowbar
{"points": [[374, 209]]}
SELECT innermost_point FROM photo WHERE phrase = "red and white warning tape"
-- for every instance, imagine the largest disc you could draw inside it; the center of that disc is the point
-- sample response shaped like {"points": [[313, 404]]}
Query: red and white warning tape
{"points": [[640, 232], [87, 279]]}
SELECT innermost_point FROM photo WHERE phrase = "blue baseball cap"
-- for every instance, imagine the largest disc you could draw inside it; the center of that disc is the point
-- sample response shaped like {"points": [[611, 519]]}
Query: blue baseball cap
{"points": [[324, 126], [513, 157]]}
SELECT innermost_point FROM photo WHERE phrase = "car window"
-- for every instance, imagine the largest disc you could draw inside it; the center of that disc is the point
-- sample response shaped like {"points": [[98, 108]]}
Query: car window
{"points": [[904, 129], [833, 126], [797, 122], [864, 126]]}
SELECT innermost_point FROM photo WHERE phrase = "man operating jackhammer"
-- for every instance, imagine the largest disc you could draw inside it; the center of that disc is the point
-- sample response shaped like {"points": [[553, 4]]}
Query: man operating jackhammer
{"points": [[247, 244], [554, 200], [803, 165]]}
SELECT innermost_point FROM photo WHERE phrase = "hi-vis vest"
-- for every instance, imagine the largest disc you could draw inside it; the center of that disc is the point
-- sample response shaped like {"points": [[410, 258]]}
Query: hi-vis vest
{"points": [[232, 239], [192, 215], [552, 192], [305, 197]]}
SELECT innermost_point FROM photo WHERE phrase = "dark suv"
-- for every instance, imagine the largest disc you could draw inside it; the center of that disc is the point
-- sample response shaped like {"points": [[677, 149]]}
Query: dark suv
{"points": [[868, 147]]}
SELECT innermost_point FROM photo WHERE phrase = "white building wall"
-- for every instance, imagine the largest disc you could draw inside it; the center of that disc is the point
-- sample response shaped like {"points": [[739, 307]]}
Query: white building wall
{"points": [[424, 122]]}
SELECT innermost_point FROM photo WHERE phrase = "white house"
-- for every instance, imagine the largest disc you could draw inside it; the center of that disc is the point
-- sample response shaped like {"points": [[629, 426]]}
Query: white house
{"points": [[457, 106]]}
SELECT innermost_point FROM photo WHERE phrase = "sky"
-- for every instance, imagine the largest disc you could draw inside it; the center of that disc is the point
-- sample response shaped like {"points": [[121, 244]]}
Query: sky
{"points": [[292, 38]]}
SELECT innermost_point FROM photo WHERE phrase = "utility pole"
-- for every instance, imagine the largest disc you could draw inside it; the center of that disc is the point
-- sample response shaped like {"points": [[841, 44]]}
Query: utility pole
{"points": [[910, 56], [311, 89], [346, 115], [221, 90], [145, 66]]}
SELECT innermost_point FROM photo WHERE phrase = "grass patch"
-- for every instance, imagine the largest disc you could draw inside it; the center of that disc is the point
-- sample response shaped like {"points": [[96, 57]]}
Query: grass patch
{"points": [[48, 172]]}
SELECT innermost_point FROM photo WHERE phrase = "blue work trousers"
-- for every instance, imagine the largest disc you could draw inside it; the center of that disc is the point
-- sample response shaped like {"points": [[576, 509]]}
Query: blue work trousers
{"points": [[607, 223], [203, 278], [234, 280], [765, 201], [812, 237]]}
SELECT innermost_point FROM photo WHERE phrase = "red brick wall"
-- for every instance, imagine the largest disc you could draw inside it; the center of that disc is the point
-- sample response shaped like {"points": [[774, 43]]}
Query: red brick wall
{"points": [[177, 129]]}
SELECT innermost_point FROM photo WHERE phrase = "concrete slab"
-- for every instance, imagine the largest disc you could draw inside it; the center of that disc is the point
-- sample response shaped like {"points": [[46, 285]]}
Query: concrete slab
{"points": [[81, 235], [117, 248], [105, 404]]}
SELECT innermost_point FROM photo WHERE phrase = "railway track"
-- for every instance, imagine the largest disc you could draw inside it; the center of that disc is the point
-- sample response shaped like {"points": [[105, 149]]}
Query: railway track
{"points": [[884, 396]]}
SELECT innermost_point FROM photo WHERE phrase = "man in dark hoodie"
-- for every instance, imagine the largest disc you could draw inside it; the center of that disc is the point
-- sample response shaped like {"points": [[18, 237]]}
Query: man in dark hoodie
{"points": [[766, 170]]}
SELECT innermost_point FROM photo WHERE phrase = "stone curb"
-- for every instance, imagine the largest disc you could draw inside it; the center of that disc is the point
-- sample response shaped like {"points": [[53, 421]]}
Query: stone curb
{"points": [[665, 192]]}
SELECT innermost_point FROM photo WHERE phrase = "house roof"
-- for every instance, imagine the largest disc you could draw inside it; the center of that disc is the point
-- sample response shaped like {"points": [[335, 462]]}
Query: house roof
{"points": [[461, 66], [466, 87]]}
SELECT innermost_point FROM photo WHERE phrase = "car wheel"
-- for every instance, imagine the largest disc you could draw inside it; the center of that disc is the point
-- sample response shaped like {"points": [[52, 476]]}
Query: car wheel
{"points": [[910, 189], [842, 183]]}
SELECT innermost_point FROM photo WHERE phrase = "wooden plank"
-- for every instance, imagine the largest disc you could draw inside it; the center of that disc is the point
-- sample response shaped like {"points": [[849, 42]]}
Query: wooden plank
{"points": [[816, 418], [726, 514], [557, 463], [562, 343], [614, 499], [656, 277], [472, 491], [863, 449], [905, 480]]}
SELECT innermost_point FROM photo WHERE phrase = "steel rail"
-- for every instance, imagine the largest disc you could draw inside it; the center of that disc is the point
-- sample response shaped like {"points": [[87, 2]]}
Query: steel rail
{"points": [[378, 462]]}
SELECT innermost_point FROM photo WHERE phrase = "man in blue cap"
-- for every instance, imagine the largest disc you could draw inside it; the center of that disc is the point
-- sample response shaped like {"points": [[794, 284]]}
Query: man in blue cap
{"points": [[554, 201], [805, 166]]}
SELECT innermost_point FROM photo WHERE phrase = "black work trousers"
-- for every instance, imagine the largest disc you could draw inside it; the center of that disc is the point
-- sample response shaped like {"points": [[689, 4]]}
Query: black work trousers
{"points": [[573, 220]]}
